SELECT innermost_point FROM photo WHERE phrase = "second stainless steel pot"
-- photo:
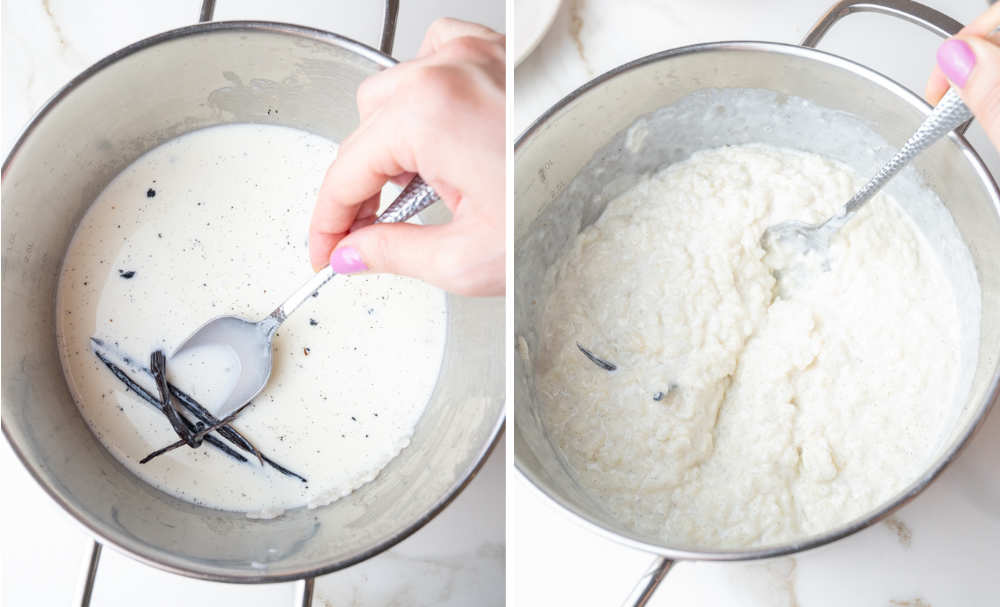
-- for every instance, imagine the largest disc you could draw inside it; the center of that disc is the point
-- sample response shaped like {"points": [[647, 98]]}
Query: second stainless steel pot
{"points": [[572, 161]]}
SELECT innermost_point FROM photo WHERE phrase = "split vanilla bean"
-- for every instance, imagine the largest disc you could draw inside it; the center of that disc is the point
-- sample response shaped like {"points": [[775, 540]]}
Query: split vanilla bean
{"points": [[149, 398], [228, 432], [600, 362], [158, 367], [197, 438], [204, 416]]}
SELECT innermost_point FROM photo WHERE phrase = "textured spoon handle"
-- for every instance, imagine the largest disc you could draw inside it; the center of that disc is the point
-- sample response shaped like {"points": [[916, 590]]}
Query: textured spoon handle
{"points": [[415, 197], [947, 115]]}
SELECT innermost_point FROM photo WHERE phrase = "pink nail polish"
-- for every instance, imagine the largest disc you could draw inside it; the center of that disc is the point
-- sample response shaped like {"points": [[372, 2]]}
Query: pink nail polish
{"points": [[956, 60], [347, 260]]}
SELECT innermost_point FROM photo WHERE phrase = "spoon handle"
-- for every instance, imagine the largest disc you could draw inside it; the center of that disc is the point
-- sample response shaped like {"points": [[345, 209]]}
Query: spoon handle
{"points": [[947, 115], [415, 197]]}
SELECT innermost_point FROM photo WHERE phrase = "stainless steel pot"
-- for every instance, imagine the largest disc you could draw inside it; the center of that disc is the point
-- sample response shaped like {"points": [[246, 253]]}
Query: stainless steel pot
{"points": [[126, 104], [574, 159]]}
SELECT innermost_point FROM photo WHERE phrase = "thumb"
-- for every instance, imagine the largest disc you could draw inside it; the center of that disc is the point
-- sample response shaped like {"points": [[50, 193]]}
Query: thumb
{"points": [[972, 65], [397, 248]]}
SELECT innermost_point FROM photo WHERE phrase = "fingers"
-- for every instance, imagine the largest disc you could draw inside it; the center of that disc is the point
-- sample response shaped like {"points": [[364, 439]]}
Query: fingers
{"points": [[322, 243], [445, 111], [937, 84], [366, 214], [465, 41], [428, 253], [444, 30], [972, 65], [369, 158], [375, 90], [402, 180]]}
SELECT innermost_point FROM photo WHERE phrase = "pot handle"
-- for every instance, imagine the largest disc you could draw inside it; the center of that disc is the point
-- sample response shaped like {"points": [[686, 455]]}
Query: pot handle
{"points": [[926, 17], [648, 583], [386, 38], [304, 592], [89, 574], [303, 588], [207, 11]]}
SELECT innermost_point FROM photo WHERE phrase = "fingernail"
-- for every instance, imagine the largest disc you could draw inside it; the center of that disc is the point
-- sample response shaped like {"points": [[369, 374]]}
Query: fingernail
{"points": [[347, 260], [956, 60]]}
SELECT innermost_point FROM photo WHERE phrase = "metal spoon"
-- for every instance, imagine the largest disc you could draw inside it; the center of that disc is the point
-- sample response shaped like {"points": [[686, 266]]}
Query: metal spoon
{"points": [[244, 347], [815, 238]]}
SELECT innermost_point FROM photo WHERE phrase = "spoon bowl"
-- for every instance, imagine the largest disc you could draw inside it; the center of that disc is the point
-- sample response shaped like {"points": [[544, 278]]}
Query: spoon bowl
{"points": [[795, 238], [799, 237], [230, 357]]}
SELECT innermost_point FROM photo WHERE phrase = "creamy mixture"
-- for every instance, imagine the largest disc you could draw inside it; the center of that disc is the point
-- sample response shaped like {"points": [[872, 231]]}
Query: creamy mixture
{"points": [[213, 223], [738, 416]]}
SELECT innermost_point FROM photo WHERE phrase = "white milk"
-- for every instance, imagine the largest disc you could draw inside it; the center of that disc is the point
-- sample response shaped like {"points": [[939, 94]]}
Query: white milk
{"points": [[212, 223]]}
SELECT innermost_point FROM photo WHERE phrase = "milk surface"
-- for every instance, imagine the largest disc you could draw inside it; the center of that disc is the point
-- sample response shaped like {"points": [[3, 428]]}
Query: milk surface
{"points": [[215, 223]]}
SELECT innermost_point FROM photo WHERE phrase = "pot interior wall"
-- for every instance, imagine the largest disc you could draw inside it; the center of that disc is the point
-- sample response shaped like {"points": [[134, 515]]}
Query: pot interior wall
{"points": [[660, 111], [210, 75]]}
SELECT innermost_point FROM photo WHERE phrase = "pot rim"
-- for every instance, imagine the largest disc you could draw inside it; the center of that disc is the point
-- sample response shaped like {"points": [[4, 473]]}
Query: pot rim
{"points": [[913, 489], [159, 558]]}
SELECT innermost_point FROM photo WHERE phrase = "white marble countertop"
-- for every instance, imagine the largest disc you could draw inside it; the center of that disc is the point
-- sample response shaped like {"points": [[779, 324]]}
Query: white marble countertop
{"points": [[943, 549], [457, 559]]}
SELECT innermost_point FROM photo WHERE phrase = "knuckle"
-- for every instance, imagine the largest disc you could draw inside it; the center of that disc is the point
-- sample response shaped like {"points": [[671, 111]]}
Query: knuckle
{"points": [[462, 47], [435, 86], [366, 92], [445, 83], [420, 78], [441, 24], [472, 48]]}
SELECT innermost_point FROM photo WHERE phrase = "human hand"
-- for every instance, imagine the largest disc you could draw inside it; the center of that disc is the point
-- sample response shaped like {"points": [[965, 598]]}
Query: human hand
{"points": [[970, 62], [442, 116]]}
